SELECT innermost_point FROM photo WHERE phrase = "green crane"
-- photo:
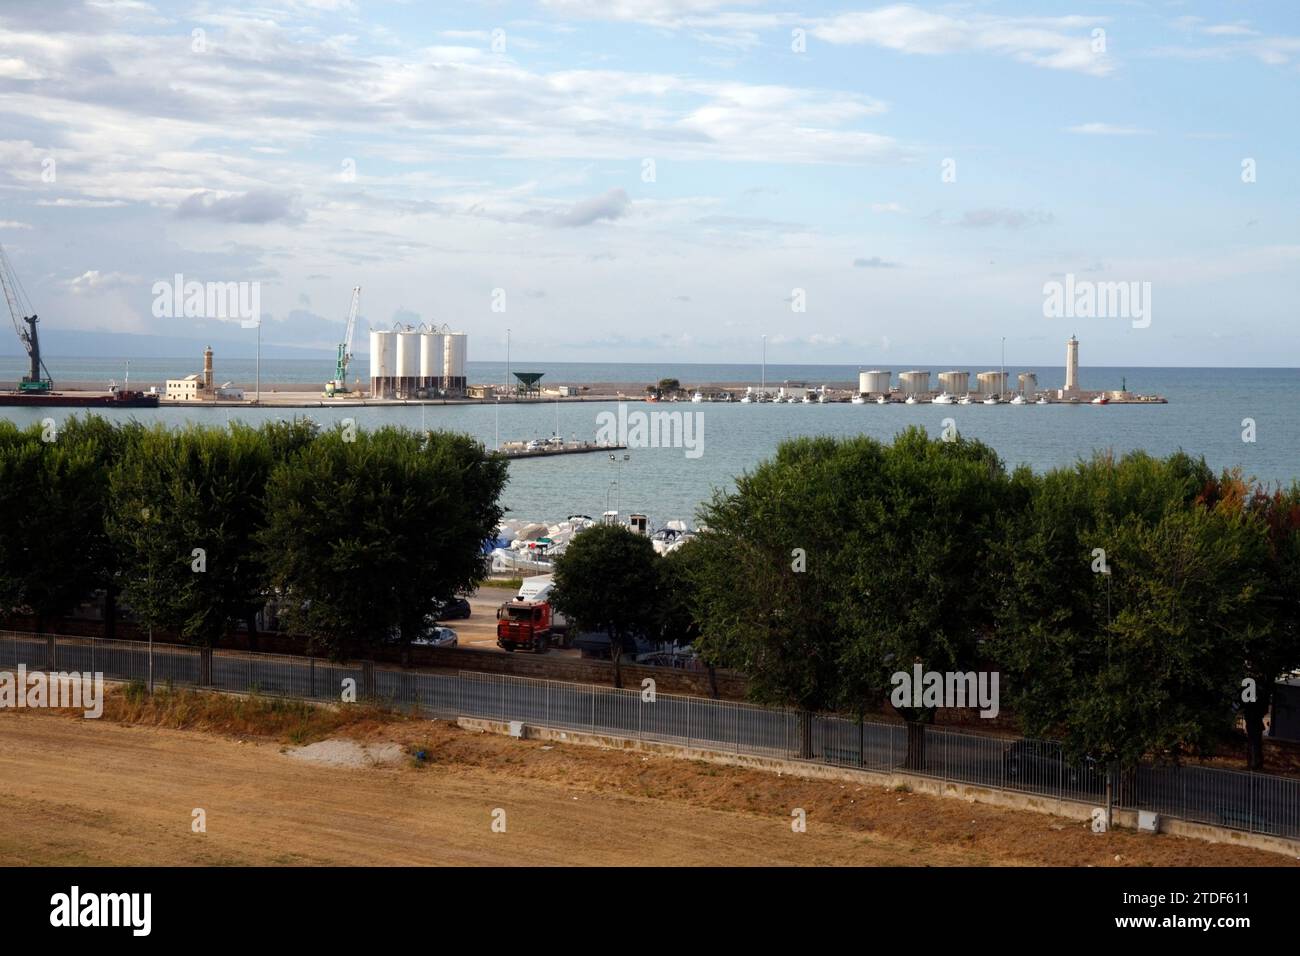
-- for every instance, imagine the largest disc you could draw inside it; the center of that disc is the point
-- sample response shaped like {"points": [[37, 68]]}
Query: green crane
{"points": [[20, 310], [339, 386]]}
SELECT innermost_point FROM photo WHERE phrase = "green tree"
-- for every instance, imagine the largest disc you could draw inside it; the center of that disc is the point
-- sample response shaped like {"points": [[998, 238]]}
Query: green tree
{"points": [[364, 535], [53, 554], [608, 579], [841, 562], [186, 509], [1125, 599]]}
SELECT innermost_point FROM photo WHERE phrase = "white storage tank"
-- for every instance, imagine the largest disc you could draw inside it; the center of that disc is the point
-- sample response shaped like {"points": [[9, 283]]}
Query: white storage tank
{"points": [[408, 356], [914, 382], [992, 383], [955, 383], [383, 362], [874, 382], [432, 359], [1028, 382], [455, 360]]}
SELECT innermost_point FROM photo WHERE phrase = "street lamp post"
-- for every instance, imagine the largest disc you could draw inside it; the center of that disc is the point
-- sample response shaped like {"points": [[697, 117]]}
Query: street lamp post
{"points": [[763, 380]]}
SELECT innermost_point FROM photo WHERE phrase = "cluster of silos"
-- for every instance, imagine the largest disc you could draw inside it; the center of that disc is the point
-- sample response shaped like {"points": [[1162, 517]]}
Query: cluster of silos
{"points": [[875, 382], [409, 363], [914, 383], [992, 383], [955, 383]]}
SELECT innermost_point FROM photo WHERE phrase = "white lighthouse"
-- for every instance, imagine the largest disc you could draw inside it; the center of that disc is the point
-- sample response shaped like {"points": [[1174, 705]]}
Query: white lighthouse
{"points": [[1072, 365]]}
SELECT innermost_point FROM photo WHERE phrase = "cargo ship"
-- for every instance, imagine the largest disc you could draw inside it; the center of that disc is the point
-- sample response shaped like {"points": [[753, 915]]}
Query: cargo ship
{"points": [[116, 398], [37, 386]]}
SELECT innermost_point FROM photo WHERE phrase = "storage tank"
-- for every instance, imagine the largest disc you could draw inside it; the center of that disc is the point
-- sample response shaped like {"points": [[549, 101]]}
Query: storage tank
{"points": [[1028, 382], [992, 383], [874, 382], [408, 360], [955, 383], [455, 360], [914, 382], [383, 362], [432, 356]]}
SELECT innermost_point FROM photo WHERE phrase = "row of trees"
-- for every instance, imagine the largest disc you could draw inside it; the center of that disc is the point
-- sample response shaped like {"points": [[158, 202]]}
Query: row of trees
{"points": [[353, 535], [1131, 605]]}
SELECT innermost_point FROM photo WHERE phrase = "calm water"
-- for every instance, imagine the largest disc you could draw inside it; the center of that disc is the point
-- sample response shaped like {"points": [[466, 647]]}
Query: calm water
{"points": [[1204, 416]]}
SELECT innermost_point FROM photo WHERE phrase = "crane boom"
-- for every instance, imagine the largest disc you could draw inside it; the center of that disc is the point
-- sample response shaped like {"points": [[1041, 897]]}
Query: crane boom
{"points": [[339, 385], [21, 312]]}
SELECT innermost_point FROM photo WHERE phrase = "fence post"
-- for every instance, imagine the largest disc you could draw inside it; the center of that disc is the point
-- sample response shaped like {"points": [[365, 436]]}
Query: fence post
{"points": [[205, 666], [311, 670], [688, 722], [51, 654], [503, 696], [368, 680]]}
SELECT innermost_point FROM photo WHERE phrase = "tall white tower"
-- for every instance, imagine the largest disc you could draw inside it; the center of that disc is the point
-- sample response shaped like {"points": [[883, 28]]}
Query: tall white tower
{"points": [[1072, 364]]}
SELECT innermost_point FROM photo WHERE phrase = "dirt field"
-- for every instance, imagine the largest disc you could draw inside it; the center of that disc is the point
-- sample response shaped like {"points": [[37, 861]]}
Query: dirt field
{"points": [[79, 792]]}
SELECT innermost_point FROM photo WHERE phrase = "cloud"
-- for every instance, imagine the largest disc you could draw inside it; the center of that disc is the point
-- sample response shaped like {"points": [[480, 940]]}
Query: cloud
{"points": [[1008, 218], [1061, 43], [875, 262], [1107, 129], [93, 281], [607, 207], [14, 224], [888, 207], [254, 206]]}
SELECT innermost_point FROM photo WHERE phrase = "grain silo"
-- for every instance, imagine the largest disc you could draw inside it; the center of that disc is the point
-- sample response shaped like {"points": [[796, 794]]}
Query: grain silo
{"points": [[914, 382], [874, 382], [456, 350], [433, 352], [408, 362], [955, 383], [992, 383], [1028, 383], [383, 363]]}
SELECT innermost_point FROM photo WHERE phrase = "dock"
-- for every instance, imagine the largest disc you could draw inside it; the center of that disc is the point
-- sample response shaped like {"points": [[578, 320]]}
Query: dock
{"points": [[519, 449]]}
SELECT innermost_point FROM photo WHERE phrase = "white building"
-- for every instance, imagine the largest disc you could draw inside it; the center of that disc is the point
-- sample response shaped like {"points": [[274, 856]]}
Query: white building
{"points": [[185, 389]]}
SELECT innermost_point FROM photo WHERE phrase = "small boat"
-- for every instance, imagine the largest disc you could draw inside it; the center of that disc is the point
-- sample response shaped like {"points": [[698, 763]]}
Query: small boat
{"points": [[807, 398], [858, 400], [745, 400], [911, 400], [1019, 400], [881, 400], [943, 398], [821, 397], [1101, 400], [1042, 400], [964, 400], [697, 398], [991, 400]]}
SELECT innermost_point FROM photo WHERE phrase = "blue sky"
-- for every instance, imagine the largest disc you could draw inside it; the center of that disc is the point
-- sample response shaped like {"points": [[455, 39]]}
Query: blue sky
{"points": [[434, 153]]}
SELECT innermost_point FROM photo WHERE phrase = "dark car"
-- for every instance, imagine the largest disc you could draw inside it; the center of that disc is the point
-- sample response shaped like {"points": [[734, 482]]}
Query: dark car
{"points": [[1040, 765], [451, 609]]}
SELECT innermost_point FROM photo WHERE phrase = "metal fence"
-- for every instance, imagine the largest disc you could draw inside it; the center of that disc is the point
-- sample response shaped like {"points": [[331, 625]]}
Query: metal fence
{"points": [[1258, 803]]}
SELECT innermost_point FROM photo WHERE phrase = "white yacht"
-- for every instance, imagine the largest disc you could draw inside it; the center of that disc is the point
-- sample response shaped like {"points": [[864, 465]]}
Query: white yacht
{"points": [[1042, 400], [964, 400], [745, 399], [1019, 400], [882, 400], [911, 400], [858, 400], [943, 398], [991, 400], [697, 398]]}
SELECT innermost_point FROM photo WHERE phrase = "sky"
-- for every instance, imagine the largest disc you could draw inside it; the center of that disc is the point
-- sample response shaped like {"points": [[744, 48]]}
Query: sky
{"points": [[665, 180]]}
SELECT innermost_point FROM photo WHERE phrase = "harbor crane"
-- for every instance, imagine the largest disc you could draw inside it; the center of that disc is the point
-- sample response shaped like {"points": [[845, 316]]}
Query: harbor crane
{"points": [[20, 310], [339, 386]]}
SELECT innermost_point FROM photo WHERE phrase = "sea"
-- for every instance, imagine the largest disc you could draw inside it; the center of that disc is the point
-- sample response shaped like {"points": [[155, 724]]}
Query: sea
{"points": [[1210, 413]]}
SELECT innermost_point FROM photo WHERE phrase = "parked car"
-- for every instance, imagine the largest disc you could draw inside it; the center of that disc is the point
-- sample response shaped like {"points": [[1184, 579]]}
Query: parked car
{"points": [[535, 445], [451, 609], [1037, 763], [437, 636]]}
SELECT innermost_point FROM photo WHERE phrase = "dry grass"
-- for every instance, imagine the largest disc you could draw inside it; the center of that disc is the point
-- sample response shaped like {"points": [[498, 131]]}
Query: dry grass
{"points": [[276, 718]]}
